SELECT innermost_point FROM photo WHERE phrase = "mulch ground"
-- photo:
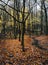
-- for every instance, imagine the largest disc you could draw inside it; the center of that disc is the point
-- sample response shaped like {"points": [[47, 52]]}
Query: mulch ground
{"points": [[11, 52]]}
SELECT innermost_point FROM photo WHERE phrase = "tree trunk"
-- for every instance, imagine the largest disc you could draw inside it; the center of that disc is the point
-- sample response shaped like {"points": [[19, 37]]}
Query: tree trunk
{"points": [[41, 18], [45, 10], [23, 25], [14, 13]]}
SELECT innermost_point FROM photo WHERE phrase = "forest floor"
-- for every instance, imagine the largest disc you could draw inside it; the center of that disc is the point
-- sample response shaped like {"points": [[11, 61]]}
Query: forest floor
{"points": [[11, 52]]}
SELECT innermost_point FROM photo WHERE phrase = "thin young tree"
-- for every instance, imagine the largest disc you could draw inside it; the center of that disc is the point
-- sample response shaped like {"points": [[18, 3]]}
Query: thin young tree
{"points": [[23, 25], [45, 10], [14, 13], [41, 17], [18, 17]]}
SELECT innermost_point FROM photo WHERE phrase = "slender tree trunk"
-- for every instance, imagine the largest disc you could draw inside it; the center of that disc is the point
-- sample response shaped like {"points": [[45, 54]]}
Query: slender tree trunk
{"points": [[32, 21], [19, 19], [36, 28], [41, 18], [29, 21], [4, 14], [23, 26], [14, 13], [45, 10]]}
